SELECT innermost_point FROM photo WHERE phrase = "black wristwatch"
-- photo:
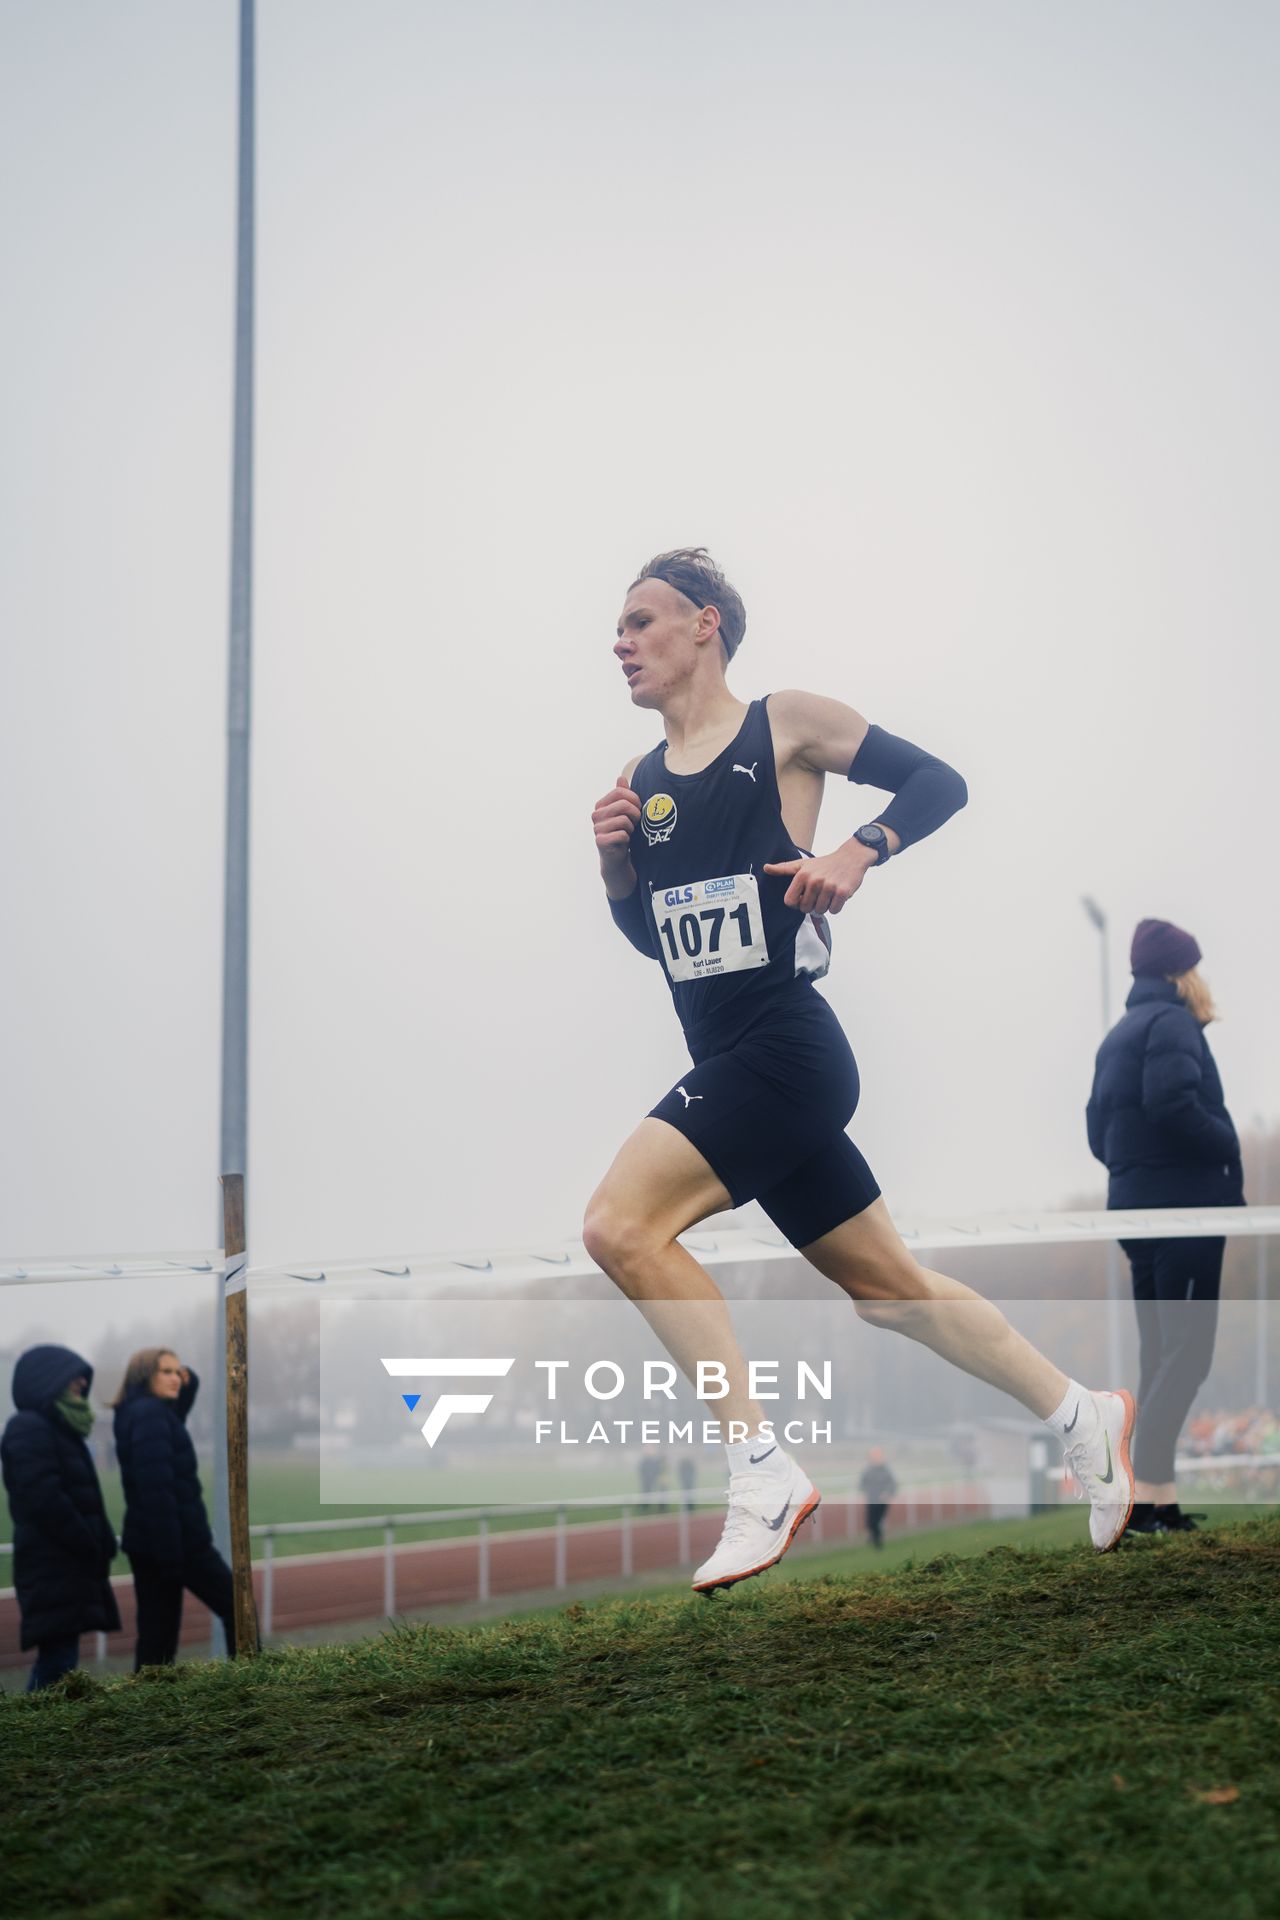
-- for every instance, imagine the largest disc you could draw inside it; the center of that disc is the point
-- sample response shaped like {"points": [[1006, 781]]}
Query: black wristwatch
{"points": [[875, 837]]}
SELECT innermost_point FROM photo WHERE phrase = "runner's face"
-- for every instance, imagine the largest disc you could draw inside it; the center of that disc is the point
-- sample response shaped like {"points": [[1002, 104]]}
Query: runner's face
{"points": [[655, 643]]}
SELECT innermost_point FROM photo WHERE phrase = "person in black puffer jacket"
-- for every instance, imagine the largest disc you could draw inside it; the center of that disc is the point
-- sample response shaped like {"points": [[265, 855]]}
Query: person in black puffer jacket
{"points": [[63, 1545], [166, 1529], [1158, 1122]]}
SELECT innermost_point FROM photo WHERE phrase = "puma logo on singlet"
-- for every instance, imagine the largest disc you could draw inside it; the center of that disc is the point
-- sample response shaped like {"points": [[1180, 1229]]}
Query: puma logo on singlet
{"points": [[689, 1098], [749, 771]]}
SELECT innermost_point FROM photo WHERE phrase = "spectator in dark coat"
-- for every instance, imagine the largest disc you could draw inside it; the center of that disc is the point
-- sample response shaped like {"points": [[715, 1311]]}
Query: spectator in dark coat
{"points": [[878, 1487], [166, 1529], [1158, 1122], [63, 1545]]}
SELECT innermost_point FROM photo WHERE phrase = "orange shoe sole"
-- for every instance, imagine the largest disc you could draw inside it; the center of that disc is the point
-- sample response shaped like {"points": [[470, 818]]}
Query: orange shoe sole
{"points": [[1126, 1434], [810, 1507]]}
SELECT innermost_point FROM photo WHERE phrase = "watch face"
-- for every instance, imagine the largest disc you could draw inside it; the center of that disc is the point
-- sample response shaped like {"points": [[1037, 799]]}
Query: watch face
{"points": [[871, 836]]}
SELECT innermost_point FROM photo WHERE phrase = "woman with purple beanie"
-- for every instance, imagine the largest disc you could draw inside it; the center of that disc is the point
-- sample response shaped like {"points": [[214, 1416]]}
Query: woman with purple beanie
{"points": [[1158, 1122]]}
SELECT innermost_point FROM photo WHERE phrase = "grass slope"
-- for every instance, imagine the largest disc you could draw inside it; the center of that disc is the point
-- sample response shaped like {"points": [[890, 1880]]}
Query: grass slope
{"points": [[1024, 1733]]}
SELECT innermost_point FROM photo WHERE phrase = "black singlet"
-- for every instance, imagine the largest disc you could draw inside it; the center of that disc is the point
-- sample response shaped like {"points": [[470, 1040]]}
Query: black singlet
{"points": [[726, 941]]}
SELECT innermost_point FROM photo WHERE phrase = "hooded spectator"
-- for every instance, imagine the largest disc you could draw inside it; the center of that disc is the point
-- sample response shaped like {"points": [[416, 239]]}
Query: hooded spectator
{"points": [[63, 1545], [166, 1529]]}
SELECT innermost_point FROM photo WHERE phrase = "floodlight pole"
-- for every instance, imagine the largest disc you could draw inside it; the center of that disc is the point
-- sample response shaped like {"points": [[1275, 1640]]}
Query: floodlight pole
{"points": [[235, 946], [1099, 920]]}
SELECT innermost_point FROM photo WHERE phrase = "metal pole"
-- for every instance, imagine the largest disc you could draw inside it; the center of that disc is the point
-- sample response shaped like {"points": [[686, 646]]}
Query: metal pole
{"points": [[1099, 919], [236, 922], [389, 1571], [235, 943], [1113, 1251]]}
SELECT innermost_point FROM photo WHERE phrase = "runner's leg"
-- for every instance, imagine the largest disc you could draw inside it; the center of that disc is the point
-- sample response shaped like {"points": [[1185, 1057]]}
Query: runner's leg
{"points": [[658, 1186], [866, 1258]]}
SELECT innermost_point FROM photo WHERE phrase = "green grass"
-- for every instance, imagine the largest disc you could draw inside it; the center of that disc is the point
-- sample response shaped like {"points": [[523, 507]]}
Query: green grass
{"points": [[1047, 1532], [1024, 1733]]}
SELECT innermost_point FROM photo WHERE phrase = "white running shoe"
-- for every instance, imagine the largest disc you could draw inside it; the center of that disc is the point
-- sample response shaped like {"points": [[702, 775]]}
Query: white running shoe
{"points": [[1101, 1468], [765, 1509]]}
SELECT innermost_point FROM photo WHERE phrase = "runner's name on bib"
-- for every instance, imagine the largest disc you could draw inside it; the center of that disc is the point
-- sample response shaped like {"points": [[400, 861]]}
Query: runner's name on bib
{"points": [[710, 927]]}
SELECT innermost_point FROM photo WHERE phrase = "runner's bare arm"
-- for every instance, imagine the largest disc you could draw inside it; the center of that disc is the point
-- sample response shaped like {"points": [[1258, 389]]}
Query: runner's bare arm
{"points": [[826, 736], [814, 732]]}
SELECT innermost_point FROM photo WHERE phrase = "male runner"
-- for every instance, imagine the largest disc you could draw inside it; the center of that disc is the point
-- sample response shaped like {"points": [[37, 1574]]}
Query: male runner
{"points": [[701, 847]]}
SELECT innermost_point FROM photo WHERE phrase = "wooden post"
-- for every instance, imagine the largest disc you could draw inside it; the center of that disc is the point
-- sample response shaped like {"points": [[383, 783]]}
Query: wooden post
{"points": [[236, 1310]]}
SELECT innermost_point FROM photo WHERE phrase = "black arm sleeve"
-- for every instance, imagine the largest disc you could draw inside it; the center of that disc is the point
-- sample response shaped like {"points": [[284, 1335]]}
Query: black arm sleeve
{"points": [[926, 791], [630, 918]]}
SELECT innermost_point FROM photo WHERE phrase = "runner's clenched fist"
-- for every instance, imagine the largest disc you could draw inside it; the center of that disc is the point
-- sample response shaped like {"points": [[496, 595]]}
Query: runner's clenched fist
{"points": [[615, 818]]}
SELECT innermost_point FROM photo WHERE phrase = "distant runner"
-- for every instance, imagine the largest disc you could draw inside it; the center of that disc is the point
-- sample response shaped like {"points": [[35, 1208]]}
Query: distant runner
{"points": [[878, 1486], [703, 847]]}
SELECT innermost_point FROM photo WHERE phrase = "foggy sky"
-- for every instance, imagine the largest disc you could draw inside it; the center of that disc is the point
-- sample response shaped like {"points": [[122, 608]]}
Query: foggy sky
{"points": [[950, 330]]}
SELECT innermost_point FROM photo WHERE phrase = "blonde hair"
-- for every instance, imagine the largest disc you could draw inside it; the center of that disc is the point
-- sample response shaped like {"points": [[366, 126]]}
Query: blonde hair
{"points": [[1193, 991], [140, 1372]]}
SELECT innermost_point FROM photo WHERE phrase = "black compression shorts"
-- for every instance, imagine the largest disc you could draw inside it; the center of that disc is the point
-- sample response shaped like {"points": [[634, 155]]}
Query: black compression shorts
{"points": [[767, 1109]]}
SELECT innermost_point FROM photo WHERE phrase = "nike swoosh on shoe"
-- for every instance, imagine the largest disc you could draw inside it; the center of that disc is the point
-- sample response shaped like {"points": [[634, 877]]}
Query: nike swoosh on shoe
{"points": [[1075, 1416], [1110, 1474], [756, 1458], [774, 1525]]}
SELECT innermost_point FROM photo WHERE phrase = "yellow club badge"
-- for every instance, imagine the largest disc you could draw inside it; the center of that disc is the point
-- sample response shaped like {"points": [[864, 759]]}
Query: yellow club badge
{"points": [[658, 818]]}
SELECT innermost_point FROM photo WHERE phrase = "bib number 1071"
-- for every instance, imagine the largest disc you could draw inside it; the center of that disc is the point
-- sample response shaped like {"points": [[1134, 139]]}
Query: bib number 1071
{"points": [[711, 927], [712, 919]]}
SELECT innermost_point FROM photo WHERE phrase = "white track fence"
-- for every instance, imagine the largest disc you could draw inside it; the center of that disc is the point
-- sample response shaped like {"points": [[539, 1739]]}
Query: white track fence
{"points": [[712, 1244]]}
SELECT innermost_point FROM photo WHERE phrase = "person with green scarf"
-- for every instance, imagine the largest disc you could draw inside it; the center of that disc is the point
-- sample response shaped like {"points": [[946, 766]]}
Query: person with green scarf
{"points": [[63, 1545]]}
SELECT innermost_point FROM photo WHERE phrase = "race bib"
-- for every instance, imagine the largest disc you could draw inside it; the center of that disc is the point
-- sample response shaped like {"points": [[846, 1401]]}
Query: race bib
{"points": [[710, 927]]}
